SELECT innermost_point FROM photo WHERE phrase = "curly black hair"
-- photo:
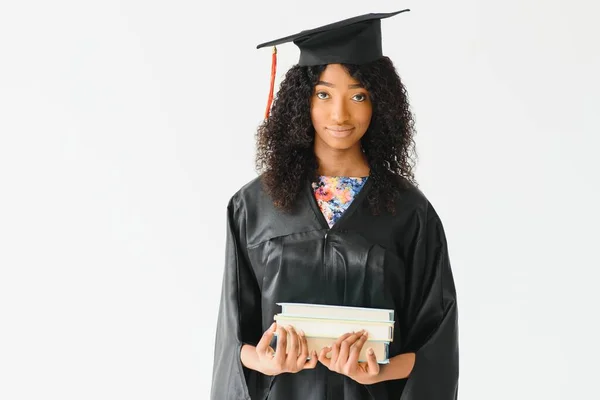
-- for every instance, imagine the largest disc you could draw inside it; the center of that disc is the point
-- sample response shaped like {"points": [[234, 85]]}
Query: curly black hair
{"points": [[285, 153]]}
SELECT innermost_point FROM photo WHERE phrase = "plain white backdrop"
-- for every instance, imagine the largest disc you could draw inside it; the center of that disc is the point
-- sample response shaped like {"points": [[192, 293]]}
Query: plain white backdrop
{"points": [[125, 126]]}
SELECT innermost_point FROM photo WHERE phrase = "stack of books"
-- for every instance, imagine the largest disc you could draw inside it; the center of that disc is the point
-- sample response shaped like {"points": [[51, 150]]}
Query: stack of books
{"points": [[323, 324]]}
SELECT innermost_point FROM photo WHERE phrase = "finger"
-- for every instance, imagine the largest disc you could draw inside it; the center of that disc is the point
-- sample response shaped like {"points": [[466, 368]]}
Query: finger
{"points": [[340, 339], [323, 357], [298, 341], [312, 363], [344, 351], [335, 347], [372, 362], [281, 351], [335, 351], [356, 349], [264, 344], [294, 345], [303, 349]]}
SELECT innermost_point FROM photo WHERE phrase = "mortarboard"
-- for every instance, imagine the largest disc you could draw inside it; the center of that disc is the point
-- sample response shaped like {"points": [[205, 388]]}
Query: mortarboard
{"points": [[354, 40]]}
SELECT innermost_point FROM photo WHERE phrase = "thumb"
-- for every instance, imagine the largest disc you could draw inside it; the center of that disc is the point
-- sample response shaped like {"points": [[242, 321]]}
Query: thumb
{"points": [[372, 362], [323, 356], [265, 341]]}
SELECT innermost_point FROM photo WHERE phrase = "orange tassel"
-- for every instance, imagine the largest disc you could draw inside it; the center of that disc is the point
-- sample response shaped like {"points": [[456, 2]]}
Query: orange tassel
{"points": [[272, 88]]}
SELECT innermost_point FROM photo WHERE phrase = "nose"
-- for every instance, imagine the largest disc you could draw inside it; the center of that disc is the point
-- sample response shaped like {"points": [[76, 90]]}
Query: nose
{"points": [[339, 112]]}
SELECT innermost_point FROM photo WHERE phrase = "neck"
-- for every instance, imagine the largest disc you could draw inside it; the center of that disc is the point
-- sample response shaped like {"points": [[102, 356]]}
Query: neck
{"points": [[348, 162]]}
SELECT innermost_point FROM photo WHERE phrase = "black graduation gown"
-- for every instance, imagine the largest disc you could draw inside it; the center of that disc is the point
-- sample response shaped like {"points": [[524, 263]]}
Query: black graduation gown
{"points": [[398, 262]]}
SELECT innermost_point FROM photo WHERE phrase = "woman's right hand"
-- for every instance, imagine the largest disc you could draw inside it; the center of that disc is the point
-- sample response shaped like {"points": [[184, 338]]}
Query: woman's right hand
{"points": [[274, 362]]}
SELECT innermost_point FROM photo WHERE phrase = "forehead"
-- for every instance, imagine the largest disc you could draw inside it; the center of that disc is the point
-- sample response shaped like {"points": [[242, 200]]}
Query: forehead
{"points": [[337, 73]]}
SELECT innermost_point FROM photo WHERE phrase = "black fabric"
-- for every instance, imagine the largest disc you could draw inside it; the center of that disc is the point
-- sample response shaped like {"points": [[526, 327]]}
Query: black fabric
{"points": [[355, 40], [398, 262]]}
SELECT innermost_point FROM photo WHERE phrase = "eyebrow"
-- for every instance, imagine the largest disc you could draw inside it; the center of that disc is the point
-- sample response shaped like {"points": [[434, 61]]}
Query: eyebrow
{"points": [[331, 85]]}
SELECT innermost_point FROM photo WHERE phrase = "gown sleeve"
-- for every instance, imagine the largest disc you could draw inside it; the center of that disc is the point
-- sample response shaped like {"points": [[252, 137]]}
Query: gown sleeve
{"points": [[239, 319], [431, 319]]}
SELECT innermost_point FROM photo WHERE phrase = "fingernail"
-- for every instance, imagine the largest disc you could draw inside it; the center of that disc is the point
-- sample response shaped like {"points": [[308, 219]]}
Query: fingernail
{"points": [[301, 333], [371, 352]]}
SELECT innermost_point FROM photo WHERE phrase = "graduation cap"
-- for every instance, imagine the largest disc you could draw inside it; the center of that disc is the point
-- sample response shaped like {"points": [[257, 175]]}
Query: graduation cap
{"points": [[354, 40]]}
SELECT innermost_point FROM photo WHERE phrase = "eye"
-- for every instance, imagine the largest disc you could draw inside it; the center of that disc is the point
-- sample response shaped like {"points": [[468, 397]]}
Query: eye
{"points": [[322, 95], [359, 97]]}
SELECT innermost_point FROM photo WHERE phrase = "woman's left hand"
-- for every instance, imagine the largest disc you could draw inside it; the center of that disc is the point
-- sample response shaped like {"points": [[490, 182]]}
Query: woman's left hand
{"points": [[344, 358]]}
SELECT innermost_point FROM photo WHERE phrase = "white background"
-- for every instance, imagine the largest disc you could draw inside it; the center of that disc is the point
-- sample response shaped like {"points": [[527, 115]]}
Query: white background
{"points": [[125, 126]]}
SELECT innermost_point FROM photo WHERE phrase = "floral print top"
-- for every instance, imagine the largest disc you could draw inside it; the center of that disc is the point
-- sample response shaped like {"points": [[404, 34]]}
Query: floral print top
{"points": [[335, 193]]}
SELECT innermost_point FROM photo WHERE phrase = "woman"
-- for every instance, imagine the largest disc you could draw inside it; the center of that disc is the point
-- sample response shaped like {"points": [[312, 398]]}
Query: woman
{"points": [[336, 218]]}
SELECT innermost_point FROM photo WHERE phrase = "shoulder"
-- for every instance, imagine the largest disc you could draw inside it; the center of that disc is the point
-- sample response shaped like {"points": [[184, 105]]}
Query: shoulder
{"points": [[248, 190], [411, 196], [259, 219], [412, 199], [250, 196]]}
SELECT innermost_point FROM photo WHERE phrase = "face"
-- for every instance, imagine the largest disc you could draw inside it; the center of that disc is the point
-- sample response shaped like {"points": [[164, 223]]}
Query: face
{"points": [[341, 109]]}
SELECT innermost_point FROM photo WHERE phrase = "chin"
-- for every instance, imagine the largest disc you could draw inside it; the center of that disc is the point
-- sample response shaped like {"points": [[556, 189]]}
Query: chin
{"points": [[341, 145]]}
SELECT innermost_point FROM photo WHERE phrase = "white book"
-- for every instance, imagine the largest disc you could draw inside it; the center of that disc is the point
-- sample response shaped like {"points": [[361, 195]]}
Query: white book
{"points": [[331, 328], [336, 312]]}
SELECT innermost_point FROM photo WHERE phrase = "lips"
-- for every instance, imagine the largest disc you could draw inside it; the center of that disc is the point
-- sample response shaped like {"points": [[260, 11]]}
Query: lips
{"points": [[340, 128], [341, 131]]}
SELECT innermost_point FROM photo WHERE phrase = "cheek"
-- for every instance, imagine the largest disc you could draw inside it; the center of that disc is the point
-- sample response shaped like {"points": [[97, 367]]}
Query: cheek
{"points": [[364, 116], [318, 116]]}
